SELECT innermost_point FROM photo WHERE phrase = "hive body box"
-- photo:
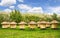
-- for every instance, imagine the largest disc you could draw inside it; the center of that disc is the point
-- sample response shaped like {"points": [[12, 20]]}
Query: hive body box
{"points": [[32, 24], [22, 25], [54, 24], [5, 25], [13, 24], [42, 24]]}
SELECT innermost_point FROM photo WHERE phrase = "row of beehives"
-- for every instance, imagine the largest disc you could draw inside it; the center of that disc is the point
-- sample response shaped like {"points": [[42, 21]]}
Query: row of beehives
{"points": [[32, 24]]}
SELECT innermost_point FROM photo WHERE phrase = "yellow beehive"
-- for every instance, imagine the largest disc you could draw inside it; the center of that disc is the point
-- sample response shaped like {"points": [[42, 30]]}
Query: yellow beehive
{"points": [[5, 24], [42, 24], [54, 24], [22, 25], [13, 24], [48, 24], [32, 25]]}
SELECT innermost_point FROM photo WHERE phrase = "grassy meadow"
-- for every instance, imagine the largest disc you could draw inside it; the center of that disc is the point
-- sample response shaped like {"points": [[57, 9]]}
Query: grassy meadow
{"points": [[28, 33]]}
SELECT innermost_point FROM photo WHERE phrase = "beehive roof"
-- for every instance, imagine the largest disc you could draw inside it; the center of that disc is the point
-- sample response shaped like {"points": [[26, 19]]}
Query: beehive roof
{"points": [[48, 23], [32, 22], [43, 22], [13, 23], [22, 22], [5, 23], [54, 21], [39, 22]]}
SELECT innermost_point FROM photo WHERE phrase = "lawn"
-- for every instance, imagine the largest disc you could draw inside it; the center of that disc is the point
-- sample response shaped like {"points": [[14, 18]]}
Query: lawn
{"points": [[28, 33]]}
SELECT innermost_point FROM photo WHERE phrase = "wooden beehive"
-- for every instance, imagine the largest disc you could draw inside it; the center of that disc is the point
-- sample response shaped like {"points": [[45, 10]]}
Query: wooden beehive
{"points": [[42, 24], [48, 24], [5, 25], [22, 25], [54, 24], [13, 24], [32, 24]]}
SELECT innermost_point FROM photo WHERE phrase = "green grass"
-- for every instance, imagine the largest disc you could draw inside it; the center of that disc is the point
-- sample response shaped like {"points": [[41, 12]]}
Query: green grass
{"points": [[28, 33]]}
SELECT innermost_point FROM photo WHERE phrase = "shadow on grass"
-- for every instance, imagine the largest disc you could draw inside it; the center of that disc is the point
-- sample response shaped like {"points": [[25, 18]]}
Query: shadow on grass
{"points": [[28, 29]]}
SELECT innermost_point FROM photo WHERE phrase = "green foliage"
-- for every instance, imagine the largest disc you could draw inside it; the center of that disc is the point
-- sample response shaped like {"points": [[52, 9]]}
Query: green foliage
{"points": [[32, 18], [15, 16], [1, 18], [48, 19], [54, 16], [4, 17], [58, 19]]}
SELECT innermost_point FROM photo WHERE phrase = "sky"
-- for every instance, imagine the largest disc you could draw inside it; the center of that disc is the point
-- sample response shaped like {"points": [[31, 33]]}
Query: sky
{"points": [[31, 6]]}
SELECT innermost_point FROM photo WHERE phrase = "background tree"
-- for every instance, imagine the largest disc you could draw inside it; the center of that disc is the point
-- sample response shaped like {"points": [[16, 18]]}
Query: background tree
{"points": [[58, 18], [48, 18], [15, 16], [32, 18], [54, 16]]}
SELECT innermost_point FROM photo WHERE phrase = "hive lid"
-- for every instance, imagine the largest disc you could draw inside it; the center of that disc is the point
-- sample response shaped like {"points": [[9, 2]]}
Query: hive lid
{"points": [[22, 22], [5, 23], [54, 21], [48, 23], [32, 22], [39, 22], [13, 23]]}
